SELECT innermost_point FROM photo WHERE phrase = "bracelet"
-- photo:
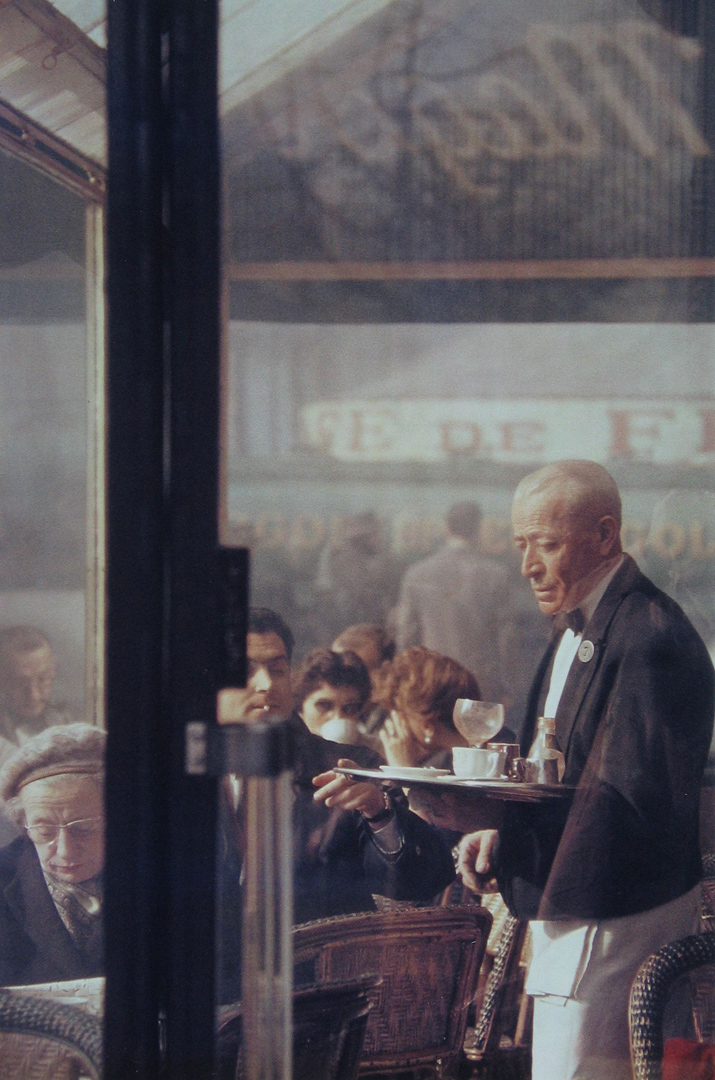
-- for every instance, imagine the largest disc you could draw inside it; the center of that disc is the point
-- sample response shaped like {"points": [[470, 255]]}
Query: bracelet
{"points": [[386, 812]]}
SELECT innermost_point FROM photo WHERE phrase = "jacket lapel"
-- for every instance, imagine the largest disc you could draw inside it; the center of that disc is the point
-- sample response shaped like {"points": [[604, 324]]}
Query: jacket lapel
{"points": [[29, 900], [587, 660]]}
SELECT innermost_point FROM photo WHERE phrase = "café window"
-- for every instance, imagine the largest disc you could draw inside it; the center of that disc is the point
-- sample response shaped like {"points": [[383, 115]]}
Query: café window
{"points": [[460, 240], [457, 248], [52, 474]]}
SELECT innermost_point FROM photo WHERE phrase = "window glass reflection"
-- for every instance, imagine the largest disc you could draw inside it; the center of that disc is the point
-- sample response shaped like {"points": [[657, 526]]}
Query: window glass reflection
{"points": [[51, 786], [462, 244]]}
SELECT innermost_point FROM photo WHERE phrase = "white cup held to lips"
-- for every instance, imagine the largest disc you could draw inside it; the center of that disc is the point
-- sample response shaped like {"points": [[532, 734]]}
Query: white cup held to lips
{"points": [[477, 763]]}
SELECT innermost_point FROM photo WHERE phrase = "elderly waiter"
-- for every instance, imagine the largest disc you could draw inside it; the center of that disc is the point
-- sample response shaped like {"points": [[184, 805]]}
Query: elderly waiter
{"points": [[614, 876]]}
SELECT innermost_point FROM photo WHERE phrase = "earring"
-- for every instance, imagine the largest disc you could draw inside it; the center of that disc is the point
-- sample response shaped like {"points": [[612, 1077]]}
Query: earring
{"points": [[428, 738]]}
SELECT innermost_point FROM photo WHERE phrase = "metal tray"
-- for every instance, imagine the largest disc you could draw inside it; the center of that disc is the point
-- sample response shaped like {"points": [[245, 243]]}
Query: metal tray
{"points": [[502, 790]]}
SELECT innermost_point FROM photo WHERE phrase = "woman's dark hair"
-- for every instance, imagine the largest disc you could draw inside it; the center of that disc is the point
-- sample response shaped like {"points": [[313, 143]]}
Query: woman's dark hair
{"points": [[262, 620], [336, 669]]}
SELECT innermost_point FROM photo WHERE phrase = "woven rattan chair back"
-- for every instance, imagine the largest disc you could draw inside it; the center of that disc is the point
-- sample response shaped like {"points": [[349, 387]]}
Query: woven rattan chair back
{"points": [[488, 1030], [428, 960], [495, 1048], [695, 955], [329, 1024], [45, 1040], [708, 891]]}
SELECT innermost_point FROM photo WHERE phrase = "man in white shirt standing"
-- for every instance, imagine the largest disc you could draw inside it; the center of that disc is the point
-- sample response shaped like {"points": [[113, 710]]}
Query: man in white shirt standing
{"points": [[612, 876]]}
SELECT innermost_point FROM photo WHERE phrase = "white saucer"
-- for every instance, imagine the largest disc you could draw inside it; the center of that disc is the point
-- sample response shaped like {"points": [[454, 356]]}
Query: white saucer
{"points": [[405, 772]]}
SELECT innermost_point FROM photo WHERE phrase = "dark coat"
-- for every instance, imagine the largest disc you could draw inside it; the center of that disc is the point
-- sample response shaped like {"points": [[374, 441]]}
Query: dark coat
{"points": [[35, 945], [337, 866], [635, 723]]}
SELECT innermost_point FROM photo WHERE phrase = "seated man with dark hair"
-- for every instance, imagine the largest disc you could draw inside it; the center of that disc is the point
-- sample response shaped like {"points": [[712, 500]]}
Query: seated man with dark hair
{"points": [[349, 842]]}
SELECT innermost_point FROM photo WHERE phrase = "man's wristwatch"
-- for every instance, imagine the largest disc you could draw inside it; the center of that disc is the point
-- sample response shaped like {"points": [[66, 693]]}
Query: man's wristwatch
{"points": [[383, 815]]}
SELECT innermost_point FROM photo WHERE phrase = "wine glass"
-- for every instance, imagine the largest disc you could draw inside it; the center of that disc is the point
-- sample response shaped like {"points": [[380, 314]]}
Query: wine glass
{"points": [[477, 721]]}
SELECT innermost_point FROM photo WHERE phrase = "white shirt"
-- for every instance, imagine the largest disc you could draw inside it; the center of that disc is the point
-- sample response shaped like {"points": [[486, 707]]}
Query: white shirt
{"points": [[568, 646]]}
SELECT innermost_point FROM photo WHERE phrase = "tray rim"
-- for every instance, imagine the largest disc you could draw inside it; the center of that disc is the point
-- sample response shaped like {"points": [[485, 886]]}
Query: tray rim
{"points": [[501, 789]]}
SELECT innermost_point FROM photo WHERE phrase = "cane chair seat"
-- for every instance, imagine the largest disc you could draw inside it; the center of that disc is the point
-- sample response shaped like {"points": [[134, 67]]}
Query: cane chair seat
{"points": [[428, 960]]}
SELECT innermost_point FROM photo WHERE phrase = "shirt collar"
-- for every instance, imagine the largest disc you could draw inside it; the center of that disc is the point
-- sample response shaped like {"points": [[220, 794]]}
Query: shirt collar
{"points": [[589, 604]]}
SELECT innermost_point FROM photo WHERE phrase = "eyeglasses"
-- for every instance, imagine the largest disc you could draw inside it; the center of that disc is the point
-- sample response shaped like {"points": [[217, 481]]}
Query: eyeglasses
{"points": [[80, 830]]}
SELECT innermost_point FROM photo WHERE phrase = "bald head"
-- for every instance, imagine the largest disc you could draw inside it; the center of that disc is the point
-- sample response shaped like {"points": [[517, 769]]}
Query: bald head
{"points": [[584, 489], [567, 522]]}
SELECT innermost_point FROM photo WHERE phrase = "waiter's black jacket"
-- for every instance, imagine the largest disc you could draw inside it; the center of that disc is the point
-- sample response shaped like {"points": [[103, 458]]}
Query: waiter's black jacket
{"points": [[635, 722]]}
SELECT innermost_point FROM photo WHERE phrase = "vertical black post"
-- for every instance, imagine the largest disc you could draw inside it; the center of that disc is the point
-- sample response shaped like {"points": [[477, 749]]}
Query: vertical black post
{"points": [[194, 641], [163, 633], [136, 756]]}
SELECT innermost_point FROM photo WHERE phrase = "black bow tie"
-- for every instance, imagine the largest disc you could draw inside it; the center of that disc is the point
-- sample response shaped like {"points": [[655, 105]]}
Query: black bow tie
{"points": [[569, 620]]}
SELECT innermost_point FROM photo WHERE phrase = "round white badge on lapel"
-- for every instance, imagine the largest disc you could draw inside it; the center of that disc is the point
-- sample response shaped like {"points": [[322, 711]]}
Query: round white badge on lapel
{"points": [[585, 651]]}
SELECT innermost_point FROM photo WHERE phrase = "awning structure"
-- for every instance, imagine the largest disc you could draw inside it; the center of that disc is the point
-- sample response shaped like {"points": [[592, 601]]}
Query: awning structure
{"points": [[454, 140], [52, 73], [52, 56]]}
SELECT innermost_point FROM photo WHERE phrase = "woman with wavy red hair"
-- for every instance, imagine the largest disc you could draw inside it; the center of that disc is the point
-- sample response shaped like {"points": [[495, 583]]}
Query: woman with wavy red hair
{"points": [[419, 690]]}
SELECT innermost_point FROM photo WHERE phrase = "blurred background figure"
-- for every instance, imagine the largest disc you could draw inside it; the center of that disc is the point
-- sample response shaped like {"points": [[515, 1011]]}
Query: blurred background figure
{"points": [[371, 642], [679, 558], [27, 675], [456, 602], [419, 693], [376, 648], [51, 875], [332, 693], [679, 555], [356, 577]]}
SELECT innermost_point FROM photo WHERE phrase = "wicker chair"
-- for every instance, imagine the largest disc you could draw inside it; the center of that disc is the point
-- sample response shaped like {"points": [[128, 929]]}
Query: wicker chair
{"points": [[44, 1040], [708, 891], [497, 1018], [694, 955], [428, 960], [329, 1024]]}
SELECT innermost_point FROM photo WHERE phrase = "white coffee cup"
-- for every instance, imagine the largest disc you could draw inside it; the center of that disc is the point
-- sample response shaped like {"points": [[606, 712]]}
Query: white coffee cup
{"points": [[341, 731], [477, 763]]}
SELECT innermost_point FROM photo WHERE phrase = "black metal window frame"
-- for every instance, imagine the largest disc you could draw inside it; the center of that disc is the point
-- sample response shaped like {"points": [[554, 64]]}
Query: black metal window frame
{"points": [[162, 635]]}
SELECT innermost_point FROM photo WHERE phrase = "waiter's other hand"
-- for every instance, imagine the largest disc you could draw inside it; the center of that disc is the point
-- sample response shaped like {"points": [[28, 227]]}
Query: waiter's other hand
{"points": [[336, 789], [475, 860]]}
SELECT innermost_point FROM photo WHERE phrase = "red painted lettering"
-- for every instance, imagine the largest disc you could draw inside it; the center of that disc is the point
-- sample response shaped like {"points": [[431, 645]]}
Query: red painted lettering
{"points": [[461, 437], [370, 432], [699, 548], [635, 432], [634, 536], [325, 427], [523, 437], [707, 416]]}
